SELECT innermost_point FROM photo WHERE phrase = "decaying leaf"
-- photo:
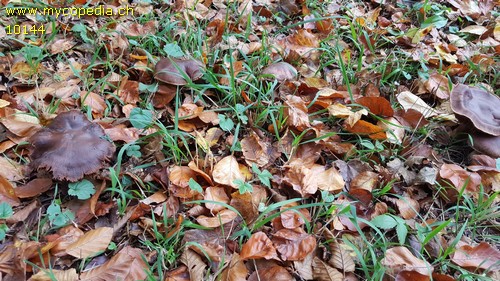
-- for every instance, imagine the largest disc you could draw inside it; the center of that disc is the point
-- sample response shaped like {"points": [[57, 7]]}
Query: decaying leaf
{"points": [[126, 265], [219, 219], [324, 272], [226, 171], [411, 101], [91, 243], [196, 266], [257, 247], [460, 178], [236, 270], [482, 256], [342, 257], [400, 258], [293, 244]]}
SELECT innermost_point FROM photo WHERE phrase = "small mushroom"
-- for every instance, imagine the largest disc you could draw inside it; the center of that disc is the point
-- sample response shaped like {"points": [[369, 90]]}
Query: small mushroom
{"points": [[489, 145], [480, 114], [71, 147], [479, 106], [177, 71], [281, 71]]}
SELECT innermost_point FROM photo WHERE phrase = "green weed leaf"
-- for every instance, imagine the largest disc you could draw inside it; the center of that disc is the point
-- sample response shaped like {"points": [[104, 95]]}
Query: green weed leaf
{"points": [[195, 186], [5, 211], [384, 221], [134, 151], [82, 189], [3, 231], [57, 217], [225, 123], [243, 186], [140, 118], [173, 50]]}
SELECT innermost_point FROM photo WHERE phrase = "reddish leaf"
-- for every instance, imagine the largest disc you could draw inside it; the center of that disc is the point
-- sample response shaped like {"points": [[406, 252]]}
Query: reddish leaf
{"points": [[257, 247], [293, 244], [126, 265], [407, 275], [398, 259], [34, 188], [377, 105], [365, 128], [460, 178], [274, 273], [482, 256]]}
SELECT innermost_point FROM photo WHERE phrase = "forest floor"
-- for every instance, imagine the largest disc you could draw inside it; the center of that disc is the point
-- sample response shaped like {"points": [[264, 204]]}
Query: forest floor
{"points": [[249, 140]]}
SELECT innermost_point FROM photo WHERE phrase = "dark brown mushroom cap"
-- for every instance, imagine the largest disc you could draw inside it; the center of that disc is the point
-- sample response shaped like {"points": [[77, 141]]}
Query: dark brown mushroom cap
{"points": [[174, 71], [479, 106], [489, 145], [71, 147]]}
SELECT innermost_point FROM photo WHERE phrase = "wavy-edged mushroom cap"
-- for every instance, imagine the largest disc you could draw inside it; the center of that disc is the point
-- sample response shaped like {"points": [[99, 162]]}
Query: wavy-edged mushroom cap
{"points": [[281, 71], [71, 147], [174, 71], [489, 145], [479, 106]]}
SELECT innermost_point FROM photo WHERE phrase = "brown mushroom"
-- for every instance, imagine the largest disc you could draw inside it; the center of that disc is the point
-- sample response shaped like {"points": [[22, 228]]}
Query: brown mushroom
{"points": [[489, 145], [281, 71], [479, 112], [178, 71], [71, 147], [479, 106]]}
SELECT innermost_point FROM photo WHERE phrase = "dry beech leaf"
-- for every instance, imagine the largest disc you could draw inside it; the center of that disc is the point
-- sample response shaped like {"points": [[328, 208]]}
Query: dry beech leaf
{"points": [[330, 180], [305, 267], [120, 133], [482, 256], [411, 101], [180, 175], [126, 265], [257, 247], [196, 266], [398, 259], [294, 244], [218, 194], [408, 207], [226, 171], [94, 101], [60, 275], [341, 257], [90, 243], [236, 270], [34, 188], [256, 150], [438, 85], [408, 275], [366, 128], [178, 274], [411, 118], [323, 272], [366, 180], [294, 218], [296, 111], [458, 176], [377, 105], [219, 219], [273, 273], [394, 130], [8, 193], [10, 170]]}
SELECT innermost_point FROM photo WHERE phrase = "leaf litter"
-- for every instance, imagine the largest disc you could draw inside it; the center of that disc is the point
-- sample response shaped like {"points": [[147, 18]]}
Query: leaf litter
{"points": [[278, 146]]}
